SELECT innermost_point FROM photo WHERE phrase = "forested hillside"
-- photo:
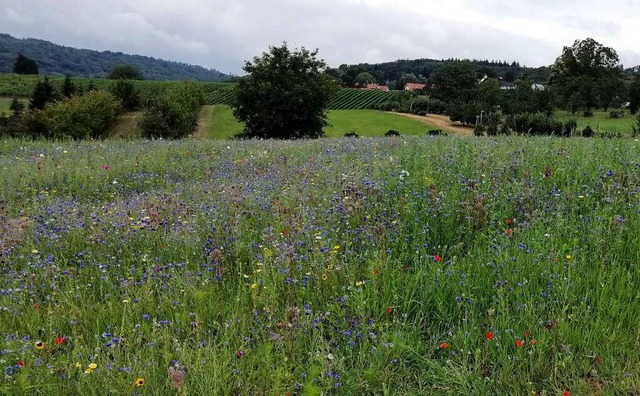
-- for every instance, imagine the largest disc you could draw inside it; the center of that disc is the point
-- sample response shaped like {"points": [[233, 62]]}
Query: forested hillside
{"points": [[53, 59], [401, 71]]}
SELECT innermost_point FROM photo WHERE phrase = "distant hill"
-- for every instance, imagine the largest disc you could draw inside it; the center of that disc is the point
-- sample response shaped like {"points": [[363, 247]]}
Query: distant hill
{"points": [[53, 59]]}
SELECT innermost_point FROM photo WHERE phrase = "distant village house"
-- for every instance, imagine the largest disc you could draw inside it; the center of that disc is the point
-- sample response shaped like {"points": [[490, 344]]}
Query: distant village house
{"points": [[414, 86], [377, 87]]}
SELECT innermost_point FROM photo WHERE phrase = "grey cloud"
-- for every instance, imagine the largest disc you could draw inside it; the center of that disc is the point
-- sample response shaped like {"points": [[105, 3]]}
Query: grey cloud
{"points": [[223, 34]]}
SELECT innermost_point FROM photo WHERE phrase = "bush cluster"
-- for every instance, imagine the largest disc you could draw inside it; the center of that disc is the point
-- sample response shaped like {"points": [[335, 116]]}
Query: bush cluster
{"points": [[80, 117], [174, 113], [411, 104]]}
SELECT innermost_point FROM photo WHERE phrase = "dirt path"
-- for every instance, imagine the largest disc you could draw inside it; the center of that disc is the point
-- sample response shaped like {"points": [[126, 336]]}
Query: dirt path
{"points": [[441, 121], [205, 118]]}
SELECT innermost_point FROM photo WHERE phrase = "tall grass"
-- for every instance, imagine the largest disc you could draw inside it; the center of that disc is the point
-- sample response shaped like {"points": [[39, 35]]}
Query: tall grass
{"points": [[408, 265]]}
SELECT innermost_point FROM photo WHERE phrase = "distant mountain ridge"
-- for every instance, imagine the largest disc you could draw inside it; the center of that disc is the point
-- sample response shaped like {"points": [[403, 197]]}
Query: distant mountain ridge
{"points": [[54, 59]]}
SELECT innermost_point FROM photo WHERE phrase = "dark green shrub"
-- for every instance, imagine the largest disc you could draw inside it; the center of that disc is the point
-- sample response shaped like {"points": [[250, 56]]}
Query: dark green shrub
{"points": [[465, 113], [587, 132], [127, 93], [535, 124], [351, 135], [569, 128], [392, 132]]}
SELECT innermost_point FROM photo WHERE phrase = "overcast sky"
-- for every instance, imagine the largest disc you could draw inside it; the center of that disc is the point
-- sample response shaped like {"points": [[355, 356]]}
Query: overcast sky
{"points": [[223, 34]]}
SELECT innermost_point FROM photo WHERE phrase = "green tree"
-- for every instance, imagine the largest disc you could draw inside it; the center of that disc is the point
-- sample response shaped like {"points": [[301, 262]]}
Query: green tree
{"points": [[16, 106], [68, 88], [127, 93], [586, 75], [24, 65], [284, 96], [489, 94], [634, 95], [174, 114], [454, 82], [42, 94], [365, 78], [125, 72]]}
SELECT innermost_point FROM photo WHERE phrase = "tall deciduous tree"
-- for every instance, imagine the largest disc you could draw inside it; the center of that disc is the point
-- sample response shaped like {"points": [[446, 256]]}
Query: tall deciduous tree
{"points": [[24, 65], [284, 95], [454, 82], [586, 75]]}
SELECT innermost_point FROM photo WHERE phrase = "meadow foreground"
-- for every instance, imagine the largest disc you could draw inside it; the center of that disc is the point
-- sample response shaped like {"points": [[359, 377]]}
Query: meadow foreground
{"points": [[408, 265]]}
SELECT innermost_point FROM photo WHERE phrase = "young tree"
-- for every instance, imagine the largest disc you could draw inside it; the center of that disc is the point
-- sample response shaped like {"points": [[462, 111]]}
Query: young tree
{"points": [[586, 75], [42, 94], [125, 72], [284, 96], [24, 65], [16, 107], [68, 89]]}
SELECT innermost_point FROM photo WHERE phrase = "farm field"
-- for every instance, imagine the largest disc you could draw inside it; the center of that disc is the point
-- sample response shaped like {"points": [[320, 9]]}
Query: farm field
{"points": [[215, 93], [363, 122], [413, 265], [600, 121]]}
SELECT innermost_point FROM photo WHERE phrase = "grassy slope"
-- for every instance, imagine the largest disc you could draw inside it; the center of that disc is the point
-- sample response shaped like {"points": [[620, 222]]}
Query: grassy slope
{"points": [[363, 122], [600, 121]]}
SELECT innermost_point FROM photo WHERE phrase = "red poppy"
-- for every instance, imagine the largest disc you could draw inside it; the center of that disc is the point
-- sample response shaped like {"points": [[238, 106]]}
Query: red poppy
{"points": [[518, 343], [284, 232], [377, 272], [533, 342], [406, 267], [566, 393], [59, 340], [444, 345], [437, 258], [508, 231], [525, 333], [508, 221], [389, 309], [488, 336], [239, 353], [20, 363]]}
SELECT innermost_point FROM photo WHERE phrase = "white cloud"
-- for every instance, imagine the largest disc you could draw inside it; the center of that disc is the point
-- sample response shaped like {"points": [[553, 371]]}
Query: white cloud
{"points": [[222, 34]]}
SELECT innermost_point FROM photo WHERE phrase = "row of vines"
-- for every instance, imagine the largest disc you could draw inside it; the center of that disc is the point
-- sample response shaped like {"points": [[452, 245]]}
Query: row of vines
{"points": [[14, 85]]}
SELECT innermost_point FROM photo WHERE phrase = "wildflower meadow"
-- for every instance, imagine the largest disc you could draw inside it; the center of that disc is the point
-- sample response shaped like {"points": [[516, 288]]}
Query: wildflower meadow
{"points": [[399, 266]]}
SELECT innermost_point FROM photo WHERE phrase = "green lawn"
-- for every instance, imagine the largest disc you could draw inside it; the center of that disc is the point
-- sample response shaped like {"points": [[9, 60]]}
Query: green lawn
{"points": [[363, 122], [600, 121]]}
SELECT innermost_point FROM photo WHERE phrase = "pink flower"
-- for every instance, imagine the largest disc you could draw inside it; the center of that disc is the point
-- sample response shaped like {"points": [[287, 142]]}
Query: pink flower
{"points": [[105, 167]]}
